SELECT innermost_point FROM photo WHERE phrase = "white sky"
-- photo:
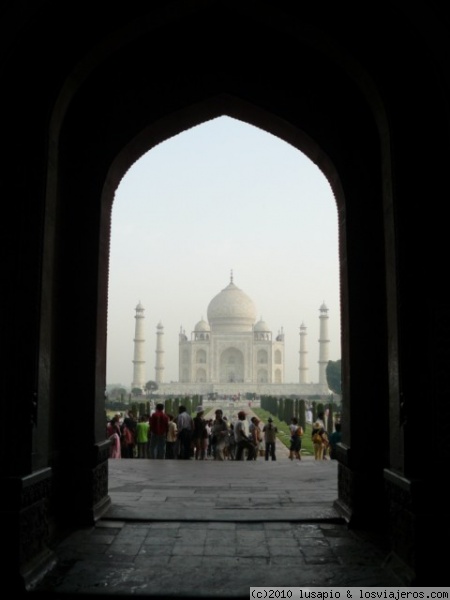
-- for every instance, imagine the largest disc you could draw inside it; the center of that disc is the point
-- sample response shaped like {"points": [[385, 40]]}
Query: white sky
{"points": [[219, 197]]}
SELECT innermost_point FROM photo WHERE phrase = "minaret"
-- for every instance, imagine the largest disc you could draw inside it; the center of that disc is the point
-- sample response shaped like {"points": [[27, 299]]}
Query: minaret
{"points": [[139, 350], [324, 343], [303, 367], [159, 365]]}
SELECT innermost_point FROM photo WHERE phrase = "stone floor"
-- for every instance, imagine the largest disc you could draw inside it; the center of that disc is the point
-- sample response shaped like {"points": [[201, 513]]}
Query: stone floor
{"points": [[207, 529]]}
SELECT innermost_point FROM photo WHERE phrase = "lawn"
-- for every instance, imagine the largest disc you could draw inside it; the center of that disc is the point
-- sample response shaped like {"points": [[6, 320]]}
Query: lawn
{"points": [[284, 433]]}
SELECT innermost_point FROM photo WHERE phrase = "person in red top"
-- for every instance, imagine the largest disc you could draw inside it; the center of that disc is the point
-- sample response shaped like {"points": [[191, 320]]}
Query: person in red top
{"points": [[159, 426]]}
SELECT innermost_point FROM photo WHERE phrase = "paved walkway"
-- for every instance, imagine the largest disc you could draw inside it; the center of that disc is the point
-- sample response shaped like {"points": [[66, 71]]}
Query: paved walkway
{"points": [[208, 529], [223, 491]]}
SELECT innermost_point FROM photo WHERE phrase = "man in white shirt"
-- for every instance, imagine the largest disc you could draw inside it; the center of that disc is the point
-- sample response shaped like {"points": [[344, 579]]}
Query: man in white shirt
{"points": [[185, 426], [241, 433], [270, 438]]}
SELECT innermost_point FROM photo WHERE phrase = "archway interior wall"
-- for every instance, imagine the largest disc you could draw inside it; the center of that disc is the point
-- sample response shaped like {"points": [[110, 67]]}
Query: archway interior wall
{"points": [[119, 97], [97, 155]]}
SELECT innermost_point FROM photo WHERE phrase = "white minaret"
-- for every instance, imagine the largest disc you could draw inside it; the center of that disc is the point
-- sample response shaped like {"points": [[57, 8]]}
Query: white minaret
{"points": [[324, 344], [303, 367], [159, 365], [139, 350]]}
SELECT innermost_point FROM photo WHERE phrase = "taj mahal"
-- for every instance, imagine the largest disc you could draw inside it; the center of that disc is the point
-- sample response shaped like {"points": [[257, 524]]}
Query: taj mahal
{"points": [[232, 353]]}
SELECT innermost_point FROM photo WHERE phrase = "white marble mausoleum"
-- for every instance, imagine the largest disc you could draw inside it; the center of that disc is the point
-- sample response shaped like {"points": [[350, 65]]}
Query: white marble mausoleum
{"points": [[232, 352]]}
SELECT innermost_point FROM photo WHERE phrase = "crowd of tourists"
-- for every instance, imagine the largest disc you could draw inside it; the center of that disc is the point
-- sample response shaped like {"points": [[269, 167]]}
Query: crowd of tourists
{"points": [[183, 437]]}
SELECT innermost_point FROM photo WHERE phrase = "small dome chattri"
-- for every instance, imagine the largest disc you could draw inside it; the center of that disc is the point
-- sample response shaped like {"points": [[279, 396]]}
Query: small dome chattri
{"points": [[261, 326], [202, 325]]}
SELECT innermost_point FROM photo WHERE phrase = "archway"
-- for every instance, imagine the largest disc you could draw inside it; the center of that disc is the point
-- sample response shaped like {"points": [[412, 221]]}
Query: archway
{"points": [[307, 73], [231, 366], [82, 191]]}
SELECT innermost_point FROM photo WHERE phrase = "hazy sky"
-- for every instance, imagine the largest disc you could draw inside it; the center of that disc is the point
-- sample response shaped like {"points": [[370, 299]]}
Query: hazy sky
{"points": [[221, 196]]}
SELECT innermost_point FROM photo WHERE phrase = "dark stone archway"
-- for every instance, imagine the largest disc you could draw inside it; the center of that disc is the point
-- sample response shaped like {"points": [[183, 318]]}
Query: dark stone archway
{"points": [[368, 105], [86, 190]]}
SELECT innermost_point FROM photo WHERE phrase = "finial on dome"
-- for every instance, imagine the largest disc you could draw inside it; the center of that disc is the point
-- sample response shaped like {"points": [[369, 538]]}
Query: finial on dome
{"points": [[231, 276]]}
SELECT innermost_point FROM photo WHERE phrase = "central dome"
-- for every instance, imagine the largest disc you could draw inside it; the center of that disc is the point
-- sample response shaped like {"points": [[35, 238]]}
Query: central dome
{"points": [[231, 310]]}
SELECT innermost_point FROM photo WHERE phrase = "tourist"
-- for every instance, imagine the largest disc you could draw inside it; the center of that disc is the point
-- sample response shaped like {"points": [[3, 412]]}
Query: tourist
{"points": [[159, 426], [185, 426], [171, 440], [129, 435], [242, 436], [114, 425], [319, 440], [113, 433], [142, 428], [199, 435], [323, 421], [219, 435], [255, 435], [296, 431], [209, 424], [334, 439], [270, 437], [230, 449]]}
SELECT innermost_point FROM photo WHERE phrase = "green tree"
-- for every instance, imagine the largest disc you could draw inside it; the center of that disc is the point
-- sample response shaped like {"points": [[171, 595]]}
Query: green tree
{"points": [[151, 386], [168, 407], [117, 393], [302, 413], [333, 373], [288, 410], [144, 408], [136, 392]]}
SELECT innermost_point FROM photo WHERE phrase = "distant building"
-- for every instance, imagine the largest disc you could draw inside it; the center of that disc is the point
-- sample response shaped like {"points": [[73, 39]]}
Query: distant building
{"points": [[232, 353]]}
